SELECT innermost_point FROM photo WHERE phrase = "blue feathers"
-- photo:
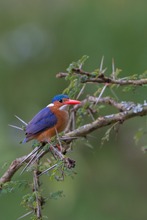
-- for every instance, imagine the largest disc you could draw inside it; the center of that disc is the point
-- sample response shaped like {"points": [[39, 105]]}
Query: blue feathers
{"points": [[43, 120], [59, 97]]}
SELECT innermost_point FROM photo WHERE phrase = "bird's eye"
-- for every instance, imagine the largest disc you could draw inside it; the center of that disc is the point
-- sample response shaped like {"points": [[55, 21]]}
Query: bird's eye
{"points": [[61, 100]]}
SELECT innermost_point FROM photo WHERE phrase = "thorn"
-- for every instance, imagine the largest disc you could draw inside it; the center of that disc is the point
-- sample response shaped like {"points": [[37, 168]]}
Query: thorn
{"points": [[91, 115], [101, 64], [50, 168], [104, 70], [113, 69], [30, 154], [33, 153], [28, 164], [28, 213], [101, 93], [14, 126], [64, 138], [81, 91], [21, 120], [57, 152], [37, 155]]}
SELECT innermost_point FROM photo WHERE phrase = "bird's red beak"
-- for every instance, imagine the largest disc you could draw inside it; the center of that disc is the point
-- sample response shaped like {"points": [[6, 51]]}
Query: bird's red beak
{"points": [[72, 102]]}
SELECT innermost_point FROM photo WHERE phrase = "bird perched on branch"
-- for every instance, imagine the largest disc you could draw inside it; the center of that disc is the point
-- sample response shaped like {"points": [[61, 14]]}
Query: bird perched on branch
{"points": [[50, 120]]}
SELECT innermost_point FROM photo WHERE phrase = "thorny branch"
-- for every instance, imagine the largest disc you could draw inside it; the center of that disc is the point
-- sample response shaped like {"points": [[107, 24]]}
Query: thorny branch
{"points": [[121, 106], [19, 162], [15, 165], [120, 82], [127, 111], [107, 120], [101, 78]]}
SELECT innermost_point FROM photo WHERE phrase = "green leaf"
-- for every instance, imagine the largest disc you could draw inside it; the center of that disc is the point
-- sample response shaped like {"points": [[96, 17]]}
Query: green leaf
{"points": [[77, 65], [56, 195], [143, 75], [12, 186]]}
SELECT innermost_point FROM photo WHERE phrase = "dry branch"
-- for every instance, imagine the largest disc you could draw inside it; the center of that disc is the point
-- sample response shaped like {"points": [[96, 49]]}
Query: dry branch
{"points": [[138, 110], [101, 78], [120, 82], [121, 106], [19, 162], [15, 165], [36, 189]]}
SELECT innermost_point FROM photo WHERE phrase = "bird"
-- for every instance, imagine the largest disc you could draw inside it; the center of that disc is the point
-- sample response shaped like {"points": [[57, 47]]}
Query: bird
{"points": [[50, 120]]}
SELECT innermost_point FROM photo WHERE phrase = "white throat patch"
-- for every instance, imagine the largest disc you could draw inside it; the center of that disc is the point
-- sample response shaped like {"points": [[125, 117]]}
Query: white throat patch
{"points": [[50, 105], [63, 107]]}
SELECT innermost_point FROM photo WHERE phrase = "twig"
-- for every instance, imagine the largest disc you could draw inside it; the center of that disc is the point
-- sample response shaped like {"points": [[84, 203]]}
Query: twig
{"points": [[107, 120], [120, 82], [121, 106], [61, 75], [107, 100], [14, 166], [103, 79], [36, 189]]}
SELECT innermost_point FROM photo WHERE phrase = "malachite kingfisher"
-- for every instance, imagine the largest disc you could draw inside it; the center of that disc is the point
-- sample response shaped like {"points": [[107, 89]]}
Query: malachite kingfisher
{"points": [[50, 120]]}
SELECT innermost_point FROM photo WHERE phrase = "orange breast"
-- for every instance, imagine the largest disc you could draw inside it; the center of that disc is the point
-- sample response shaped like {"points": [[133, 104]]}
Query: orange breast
{"points": [[62, 121]]}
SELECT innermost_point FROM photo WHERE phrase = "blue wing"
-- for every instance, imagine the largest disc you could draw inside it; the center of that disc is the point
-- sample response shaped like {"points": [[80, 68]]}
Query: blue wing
{"points": [[43, 120]]}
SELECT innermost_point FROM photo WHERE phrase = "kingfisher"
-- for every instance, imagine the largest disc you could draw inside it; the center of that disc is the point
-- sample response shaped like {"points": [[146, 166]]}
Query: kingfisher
{"points": [[50, 120]]}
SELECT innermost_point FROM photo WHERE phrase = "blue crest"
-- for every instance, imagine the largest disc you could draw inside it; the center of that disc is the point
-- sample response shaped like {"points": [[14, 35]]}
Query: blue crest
{"points": [[59, 97]]}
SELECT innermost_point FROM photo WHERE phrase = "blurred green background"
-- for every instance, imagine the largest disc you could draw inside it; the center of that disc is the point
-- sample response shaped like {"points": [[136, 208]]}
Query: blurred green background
{"points": [[41, 38]]}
